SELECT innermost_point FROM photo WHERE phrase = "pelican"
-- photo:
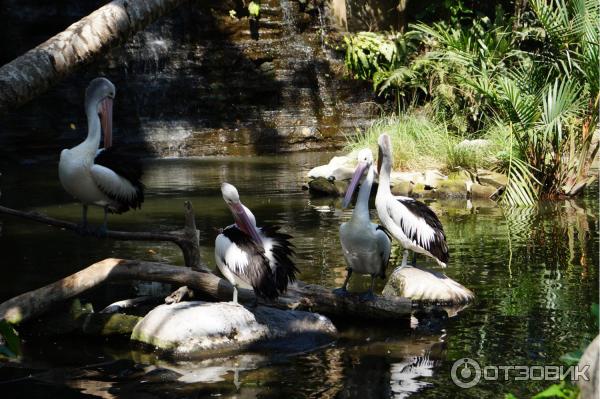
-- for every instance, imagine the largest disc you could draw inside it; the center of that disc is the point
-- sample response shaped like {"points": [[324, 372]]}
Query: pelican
{"points": [[409, 221], [365, 245], [105, 177], [253, 257]]}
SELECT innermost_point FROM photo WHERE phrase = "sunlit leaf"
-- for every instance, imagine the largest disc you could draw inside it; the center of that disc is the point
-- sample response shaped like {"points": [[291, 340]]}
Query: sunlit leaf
{"points": [[561, 391], [10, 337], [254, 9]]}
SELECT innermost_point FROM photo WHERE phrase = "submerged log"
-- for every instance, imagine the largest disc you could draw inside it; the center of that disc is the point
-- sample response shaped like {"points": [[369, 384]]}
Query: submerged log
{"points": [[301, 297], [188, 239], [35, 71]]}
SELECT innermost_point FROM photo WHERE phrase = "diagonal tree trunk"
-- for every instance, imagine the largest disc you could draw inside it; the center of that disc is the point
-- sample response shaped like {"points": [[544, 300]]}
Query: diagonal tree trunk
{"points": [[35, 71], [300, 296]]}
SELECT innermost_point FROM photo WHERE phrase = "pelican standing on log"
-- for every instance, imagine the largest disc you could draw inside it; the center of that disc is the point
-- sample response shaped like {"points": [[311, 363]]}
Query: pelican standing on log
{"points": [[409, 221], [106, 177], [365, 245], [253, 257]]}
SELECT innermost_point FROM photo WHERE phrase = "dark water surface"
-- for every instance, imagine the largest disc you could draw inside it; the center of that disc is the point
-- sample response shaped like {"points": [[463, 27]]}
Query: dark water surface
{"points": [[534, 271]]}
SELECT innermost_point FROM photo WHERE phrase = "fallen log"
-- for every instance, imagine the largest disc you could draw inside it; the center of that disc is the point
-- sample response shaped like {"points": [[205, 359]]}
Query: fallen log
{"points": [[187, 239], [35, 71], [301, 297]]}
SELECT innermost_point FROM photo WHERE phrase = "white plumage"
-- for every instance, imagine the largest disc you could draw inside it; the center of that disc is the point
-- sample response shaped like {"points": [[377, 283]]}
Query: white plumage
{"points": [[366, 247], [101, 177], [409, 221], [252, 257]]}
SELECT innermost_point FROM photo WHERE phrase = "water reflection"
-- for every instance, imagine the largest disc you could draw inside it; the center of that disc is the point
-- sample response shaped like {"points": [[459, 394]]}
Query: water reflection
{"points": [[534, 272]]}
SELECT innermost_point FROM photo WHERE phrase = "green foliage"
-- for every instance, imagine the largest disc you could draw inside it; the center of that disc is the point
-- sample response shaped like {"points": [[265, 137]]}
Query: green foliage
{"points": [[254, 9], [418, 140], [557, 391], [421, 141], [10, 343], [541, 81], [561, 391], [368, 53]]}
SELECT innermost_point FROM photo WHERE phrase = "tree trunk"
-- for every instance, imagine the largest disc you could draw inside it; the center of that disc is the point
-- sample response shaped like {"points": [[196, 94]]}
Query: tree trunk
{"points": [[302, 296], [35, 71]]}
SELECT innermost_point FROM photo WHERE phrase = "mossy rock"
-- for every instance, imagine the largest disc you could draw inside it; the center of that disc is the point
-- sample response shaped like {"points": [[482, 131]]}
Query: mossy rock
{"points": [[196, 329], [327, 187]]}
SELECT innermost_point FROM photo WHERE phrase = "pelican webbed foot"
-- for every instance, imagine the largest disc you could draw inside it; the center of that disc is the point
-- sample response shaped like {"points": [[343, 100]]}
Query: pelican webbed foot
{"points": [[343, 292]]}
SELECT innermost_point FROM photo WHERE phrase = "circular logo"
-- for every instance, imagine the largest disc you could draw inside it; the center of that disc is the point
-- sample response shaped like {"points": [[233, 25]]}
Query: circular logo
{"points": [[466, 373]]}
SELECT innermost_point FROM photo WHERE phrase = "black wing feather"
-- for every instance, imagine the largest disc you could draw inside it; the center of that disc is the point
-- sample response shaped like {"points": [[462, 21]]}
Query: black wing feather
{"points": [[127, 166], [439, 246], [384, 265], [285, 269], [257, 272]]}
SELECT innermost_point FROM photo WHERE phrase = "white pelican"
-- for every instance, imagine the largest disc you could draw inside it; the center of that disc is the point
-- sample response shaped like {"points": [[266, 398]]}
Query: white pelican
{"points": [[106, 177], [409, 221], [253, 257], [365, 245]]}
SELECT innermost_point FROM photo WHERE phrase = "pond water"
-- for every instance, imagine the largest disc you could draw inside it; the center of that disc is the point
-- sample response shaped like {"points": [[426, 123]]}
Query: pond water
{"points": [[534, 271]]}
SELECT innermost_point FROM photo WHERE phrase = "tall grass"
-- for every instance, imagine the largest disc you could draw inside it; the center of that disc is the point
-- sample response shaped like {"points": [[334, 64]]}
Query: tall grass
{"points": [[421, 141], [540, 78], [417, 140]]}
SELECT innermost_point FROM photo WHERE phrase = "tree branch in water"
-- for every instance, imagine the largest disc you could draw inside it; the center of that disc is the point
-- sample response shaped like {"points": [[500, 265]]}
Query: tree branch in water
{"points": [[187, 239], [301, 296]]}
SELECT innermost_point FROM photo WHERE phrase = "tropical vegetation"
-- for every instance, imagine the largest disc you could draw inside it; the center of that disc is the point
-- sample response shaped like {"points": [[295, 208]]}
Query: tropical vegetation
{"points": [[531, 83]]}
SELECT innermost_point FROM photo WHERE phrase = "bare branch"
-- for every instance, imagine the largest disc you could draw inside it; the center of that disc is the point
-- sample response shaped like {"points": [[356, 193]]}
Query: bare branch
{"points": [[186, 240], [302, 296]]}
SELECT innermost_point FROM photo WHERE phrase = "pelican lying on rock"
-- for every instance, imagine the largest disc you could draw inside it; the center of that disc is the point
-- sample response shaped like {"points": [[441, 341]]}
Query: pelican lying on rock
{"points": [[253, 257], [409, 221], [365, 245], [105, 177]]}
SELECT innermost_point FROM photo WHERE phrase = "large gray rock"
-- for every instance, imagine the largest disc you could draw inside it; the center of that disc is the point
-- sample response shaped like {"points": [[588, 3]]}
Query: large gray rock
{"points": [[591, 358], [201, 328], [426, 286], [339, 167]]}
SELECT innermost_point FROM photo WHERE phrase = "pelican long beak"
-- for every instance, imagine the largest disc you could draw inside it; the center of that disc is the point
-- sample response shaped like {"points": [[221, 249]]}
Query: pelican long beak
{"points": [[243, 222], [106, 107], [360, 169]]}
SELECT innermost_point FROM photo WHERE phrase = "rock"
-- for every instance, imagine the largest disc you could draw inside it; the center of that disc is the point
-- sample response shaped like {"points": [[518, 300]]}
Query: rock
{"points": [[400, 177], [591, 357], [452, 188], [432, 178], [426, 286], [404, 188], [404, 182], [341, 168], [323, 186], [190, 329], [109, 324]]}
